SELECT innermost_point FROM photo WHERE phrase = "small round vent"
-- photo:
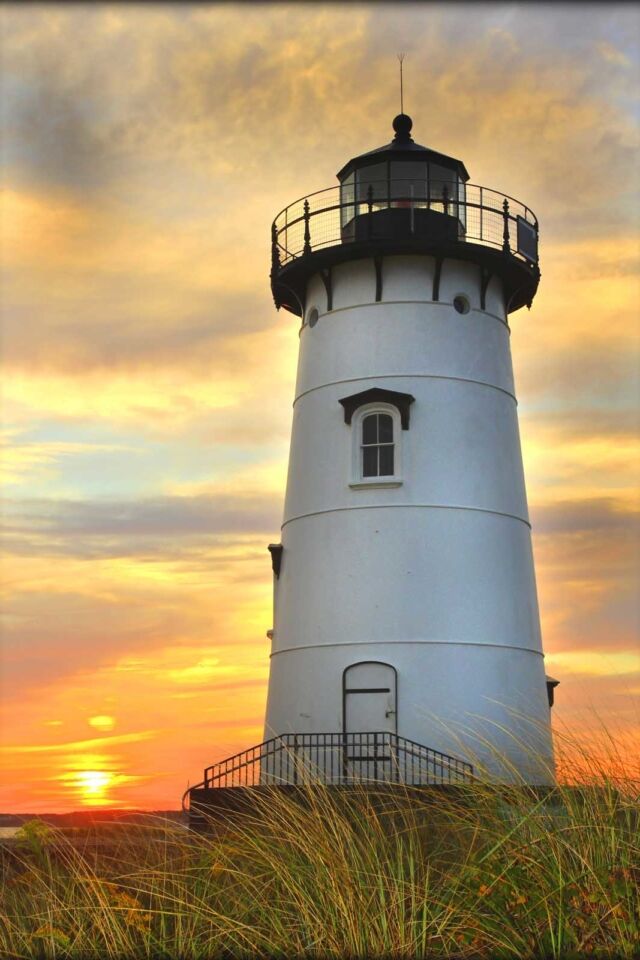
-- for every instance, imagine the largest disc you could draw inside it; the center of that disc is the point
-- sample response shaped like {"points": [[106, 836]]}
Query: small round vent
{"points": [[461, 304]]}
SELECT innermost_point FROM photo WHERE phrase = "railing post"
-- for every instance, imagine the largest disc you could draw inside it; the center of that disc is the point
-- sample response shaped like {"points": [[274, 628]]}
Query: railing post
{"points": [[505, 233], [445, 198], [275, 252], [295, 759], [307, 232], [370, 198], [369, 210], [375, 757]]}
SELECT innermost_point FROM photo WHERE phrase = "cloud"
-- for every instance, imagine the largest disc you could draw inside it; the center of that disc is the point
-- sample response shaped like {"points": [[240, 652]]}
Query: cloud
{"points": [[581, 456], [612, 663], [603, 515], [185, 529], [145, 273], [21, 458], [587, 557], [74, 301], [285, 71], [75, 608], [51, 134], [99, 742]]}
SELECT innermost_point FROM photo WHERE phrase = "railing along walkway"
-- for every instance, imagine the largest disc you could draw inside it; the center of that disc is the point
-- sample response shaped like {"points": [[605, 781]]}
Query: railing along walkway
{"points": [[327, 218]]}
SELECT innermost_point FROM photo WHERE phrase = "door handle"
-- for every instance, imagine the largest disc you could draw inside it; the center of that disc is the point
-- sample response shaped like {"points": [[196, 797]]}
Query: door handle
{"points": [[389, 713]]}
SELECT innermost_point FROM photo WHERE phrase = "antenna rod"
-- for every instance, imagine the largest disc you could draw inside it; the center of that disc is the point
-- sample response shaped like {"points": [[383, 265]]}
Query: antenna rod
{"points": [[401, 57]]}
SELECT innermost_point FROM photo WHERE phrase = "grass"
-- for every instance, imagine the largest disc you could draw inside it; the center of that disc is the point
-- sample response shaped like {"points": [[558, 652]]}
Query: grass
{"points": [[478, 872]]}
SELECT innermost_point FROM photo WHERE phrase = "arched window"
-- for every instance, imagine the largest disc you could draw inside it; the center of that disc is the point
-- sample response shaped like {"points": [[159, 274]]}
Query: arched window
{"points": [[376, 436], [377, 445], [378, 419]]}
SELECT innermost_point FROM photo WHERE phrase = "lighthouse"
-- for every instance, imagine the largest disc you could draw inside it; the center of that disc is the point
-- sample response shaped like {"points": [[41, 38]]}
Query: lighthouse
{"points": [[404, 587], [405, 644]]}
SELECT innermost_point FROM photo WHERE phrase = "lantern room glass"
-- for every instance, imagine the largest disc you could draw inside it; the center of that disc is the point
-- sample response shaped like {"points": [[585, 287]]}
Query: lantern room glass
{"points": [[371, 182], [408, 183], [411, 183], [347, 200]]}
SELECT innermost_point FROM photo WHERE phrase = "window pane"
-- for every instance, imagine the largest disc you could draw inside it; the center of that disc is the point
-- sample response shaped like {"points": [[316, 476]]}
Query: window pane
{"points": [[370, 428], [406, 175], [385, 428], [439, 177], [374, 176], [386, 461], [370, 461], [462, 197], [347, 196]]}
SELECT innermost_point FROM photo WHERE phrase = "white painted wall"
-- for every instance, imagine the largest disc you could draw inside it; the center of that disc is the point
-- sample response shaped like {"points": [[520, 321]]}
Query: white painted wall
{"points": [[433, 576]]}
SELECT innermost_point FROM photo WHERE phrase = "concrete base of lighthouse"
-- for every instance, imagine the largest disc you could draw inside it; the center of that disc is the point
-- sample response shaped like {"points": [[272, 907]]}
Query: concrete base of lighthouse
{"points": [[215, 811]]}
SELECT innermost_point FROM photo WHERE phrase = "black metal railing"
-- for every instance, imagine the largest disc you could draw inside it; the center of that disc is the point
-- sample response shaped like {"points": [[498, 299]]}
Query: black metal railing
{"points": [[333, 217], [337, 759]]}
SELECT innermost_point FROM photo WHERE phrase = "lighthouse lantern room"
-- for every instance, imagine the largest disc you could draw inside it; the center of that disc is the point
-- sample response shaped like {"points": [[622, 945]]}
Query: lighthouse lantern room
{"points": [[406, 632]]}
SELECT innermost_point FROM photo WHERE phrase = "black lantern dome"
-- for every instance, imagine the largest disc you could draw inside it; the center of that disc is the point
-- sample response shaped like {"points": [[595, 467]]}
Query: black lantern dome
{"points": [[404, 150], [404, 198]]}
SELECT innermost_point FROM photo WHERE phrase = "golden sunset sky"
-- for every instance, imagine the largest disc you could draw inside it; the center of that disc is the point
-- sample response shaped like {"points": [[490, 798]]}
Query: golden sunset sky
{"points": [[148, 379]]}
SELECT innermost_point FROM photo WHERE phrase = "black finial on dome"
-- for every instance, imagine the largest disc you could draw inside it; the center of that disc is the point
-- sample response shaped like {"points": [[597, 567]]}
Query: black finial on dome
{"points": [[402, 125]]}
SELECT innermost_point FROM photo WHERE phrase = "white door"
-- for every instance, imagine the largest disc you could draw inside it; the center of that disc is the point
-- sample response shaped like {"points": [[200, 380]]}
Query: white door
{"points": [[369, 715], [370, 698]]}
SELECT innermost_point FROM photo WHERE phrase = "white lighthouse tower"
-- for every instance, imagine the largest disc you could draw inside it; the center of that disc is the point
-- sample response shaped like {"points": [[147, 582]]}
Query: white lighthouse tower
{"points": [[404, 587]]}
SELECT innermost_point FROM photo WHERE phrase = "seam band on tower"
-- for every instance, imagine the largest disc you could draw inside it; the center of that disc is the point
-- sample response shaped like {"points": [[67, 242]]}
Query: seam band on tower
{"points": [[387, 303], [424, 506], [412, 376], [443, 643]]}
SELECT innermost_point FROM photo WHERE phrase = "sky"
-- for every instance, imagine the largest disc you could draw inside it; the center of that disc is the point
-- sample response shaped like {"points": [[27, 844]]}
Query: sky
{"points": [[148, 379]]}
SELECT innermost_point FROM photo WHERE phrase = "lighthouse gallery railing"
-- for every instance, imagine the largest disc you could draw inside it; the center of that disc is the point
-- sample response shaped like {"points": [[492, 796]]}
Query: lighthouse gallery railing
{"points": [[337, 759], [485, 216]]}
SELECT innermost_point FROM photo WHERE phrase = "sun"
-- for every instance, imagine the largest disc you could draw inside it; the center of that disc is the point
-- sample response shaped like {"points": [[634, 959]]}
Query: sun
{"points": [[93, 778], [93, 785]]}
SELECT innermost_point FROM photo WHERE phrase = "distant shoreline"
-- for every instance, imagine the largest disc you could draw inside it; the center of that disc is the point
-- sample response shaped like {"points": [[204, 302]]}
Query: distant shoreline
{"points": [[86, 818]]}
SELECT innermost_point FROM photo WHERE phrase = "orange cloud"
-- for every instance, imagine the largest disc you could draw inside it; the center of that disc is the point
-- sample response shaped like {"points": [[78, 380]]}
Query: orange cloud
{"points": [[80, 744], [612, 663]]}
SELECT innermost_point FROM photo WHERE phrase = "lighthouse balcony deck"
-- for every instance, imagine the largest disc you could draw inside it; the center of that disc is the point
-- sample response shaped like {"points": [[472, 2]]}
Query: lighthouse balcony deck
{"points": [[469, 222], [341, 760]]}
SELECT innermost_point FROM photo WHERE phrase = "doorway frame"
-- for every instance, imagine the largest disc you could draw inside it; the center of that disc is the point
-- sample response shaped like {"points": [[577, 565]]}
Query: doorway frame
{"points": [[346, 691]]}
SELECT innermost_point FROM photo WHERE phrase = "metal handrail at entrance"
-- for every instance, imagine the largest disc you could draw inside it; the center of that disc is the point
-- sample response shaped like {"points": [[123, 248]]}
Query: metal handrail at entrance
{"points": [[336, 759]]}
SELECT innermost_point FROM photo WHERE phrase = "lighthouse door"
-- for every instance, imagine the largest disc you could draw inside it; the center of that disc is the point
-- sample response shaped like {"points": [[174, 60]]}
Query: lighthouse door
{"points": [[370, 698]]}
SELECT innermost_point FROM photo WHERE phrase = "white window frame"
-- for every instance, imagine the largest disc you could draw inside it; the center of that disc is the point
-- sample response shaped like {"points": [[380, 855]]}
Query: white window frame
{"points": [[357, 479]]}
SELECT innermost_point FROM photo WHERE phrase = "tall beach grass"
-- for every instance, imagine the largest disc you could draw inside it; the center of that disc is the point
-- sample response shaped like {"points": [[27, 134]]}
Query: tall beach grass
{"points": [[474, 872]]}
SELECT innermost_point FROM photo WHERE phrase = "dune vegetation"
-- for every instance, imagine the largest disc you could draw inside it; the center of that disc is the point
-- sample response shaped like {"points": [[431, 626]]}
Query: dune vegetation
{"points": [[473, 872]]}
